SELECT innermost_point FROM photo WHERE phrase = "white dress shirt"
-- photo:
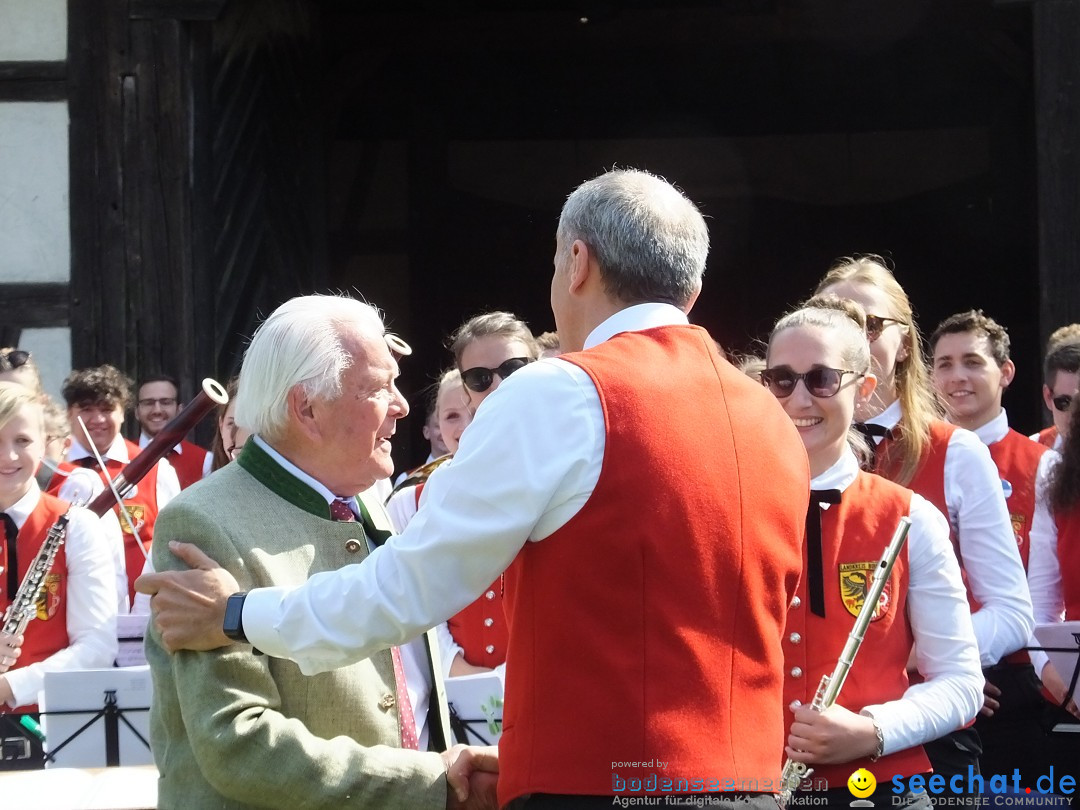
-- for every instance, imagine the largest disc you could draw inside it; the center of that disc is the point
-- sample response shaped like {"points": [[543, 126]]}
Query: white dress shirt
{"points": [[1042, 535], [90, 602], [413, 653], [989, 557], [168, 485], [945, 649], [526, 465]]}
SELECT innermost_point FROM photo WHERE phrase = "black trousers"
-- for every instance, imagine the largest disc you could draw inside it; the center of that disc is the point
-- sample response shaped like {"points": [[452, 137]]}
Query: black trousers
{"points": [[953, 754], [1014, 739]]}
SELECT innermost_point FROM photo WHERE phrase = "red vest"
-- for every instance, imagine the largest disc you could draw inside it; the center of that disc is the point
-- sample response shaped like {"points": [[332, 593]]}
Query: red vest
{"points": [[1017, 459], [854, 533], [929, 479], [141, 507], [480, 628], [1068, 554], [188, 464], [1047, 436], [47, 632], [649, 626]]}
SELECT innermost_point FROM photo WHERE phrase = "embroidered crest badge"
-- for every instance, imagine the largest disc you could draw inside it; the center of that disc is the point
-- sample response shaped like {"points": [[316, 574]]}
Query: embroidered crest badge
{"points": [[1018, 522], [855, 581], [48, 600], [137, 514]]}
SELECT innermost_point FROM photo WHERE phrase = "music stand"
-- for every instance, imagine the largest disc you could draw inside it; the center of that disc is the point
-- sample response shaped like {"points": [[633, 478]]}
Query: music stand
{"points": [[1055, 639], [76, 704]]}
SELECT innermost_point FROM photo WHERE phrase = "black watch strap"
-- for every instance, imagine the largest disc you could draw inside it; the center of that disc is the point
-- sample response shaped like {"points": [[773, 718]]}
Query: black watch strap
{"points": [[233, 626]]}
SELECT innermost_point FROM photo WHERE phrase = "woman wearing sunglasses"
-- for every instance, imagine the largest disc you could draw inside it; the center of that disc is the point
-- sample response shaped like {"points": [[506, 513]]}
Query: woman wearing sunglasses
{"points": [[948, 466], [818, 367], [474, 640], [489, 348]]}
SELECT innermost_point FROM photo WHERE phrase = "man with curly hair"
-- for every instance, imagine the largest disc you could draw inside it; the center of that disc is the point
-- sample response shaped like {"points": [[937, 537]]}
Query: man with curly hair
{"points": [[96, 401]]}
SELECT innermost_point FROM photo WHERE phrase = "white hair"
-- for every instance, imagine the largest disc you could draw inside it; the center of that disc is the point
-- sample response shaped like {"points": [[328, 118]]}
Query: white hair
{"points": [[299, 344]]}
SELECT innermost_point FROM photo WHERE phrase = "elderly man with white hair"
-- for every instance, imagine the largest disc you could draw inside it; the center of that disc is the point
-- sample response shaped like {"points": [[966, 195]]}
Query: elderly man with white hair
{"points": [[232, 729]]}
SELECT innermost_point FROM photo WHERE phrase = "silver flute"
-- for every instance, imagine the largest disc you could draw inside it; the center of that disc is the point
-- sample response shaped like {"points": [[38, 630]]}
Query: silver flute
{"points": [[829, 689]]}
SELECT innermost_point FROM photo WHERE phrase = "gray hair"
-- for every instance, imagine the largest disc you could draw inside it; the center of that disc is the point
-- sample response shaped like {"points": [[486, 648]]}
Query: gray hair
{"points": [[299, 344], [649, 240]]}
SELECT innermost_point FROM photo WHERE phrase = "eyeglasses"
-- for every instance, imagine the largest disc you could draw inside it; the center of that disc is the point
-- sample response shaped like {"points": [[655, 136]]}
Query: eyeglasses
{"points": [[164, 402], [820, 382], [479, 379], [875, 325], [1063, 402], [16, 358]]}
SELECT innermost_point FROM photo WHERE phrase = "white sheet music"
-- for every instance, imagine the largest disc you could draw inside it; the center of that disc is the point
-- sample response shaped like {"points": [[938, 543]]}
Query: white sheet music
{"points": [[478, 701], [1065, 636]]}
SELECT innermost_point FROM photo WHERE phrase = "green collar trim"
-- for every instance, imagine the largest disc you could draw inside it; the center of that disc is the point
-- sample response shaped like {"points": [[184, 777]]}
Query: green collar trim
{"points": [[280, 481]]}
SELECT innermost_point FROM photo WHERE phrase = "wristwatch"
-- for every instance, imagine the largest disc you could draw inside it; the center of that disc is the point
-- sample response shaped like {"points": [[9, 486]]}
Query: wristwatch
{"points": [[234, 617]]}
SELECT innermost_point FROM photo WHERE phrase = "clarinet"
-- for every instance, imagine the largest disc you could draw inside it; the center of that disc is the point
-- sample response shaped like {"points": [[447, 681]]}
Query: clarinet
{"points": [[829, 688], [23, 606]]}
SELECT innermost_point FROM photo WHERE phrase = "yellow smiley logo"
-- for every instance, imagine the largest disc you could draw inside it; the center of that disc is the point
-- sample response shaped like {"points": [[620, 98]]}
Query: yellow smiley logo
{"points": [[861, 783]]}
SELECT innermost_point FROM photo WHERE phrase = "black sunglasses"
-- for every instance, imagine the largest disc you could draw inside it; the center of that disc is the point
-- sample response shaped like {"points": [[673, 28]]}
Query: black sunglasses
{"points": [[820, 382], [479, 379], [875, 325], [1063, 402], [14, 359]]}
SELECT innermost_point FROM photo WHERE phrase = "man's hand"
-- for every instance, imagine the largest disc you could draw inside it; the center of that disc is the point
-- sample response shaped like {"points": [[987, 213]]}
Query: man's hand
{"points": [[189, 606], [471, 776], [990, 699], [10, 650], [833, 736], [1054, 684]]}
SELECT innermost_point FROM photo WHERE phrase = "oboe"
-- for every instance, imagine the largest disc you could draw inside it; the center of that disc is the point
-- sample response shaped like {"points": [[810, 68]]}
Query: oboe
{"points": [[829, 688]]}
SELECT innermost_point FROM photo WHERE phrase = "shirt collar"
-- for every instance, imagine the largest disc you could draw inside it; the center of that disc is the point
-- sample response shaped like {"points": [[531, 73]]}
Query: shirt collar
{"points": [[117, 451], [636, 319], [888, 417], [302, 476], [145, 440], [995, 430], [839, 476], [21, 509]]}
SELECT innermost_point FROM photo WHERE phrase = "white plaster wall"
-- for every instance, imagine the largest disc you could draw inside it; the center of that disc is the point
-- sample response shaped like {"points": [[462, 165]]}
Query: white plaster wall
{"points": [[35, 239], [51, 349], [33, 30]]}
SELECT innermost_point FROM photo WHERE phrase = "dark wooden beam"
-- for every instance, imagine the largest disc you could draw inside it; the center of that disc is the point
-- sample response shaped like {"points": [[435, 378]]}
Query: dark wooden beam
{"points": [[33, 81], [199, 10], [1057, 120], [36, 306]]}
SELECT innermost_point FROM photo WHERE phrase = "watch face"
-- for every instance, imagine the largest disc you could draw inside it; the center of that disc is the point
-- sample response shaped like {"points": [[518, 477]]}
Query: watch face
{"points": [[233, 626]]}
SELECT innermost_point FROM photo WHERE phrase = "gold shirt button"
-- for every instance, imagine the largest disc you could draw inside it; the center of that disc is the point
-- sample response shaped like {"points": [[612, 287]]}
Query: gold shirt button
{"points": [[488, 622], [387, 701], [489, 595]]}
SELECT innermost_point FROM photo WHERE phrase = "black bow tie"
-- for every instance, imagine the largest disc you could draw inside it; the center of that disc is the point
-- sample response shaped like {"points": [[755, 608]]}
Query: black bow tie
{"points": [[871, 433], [815, 574]]}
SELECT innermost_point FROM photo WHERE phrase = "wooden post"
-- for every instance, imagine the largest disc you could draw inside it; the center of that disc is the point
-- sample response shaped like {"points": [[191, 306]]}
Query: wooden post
{"points": [[1057, 123]]}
